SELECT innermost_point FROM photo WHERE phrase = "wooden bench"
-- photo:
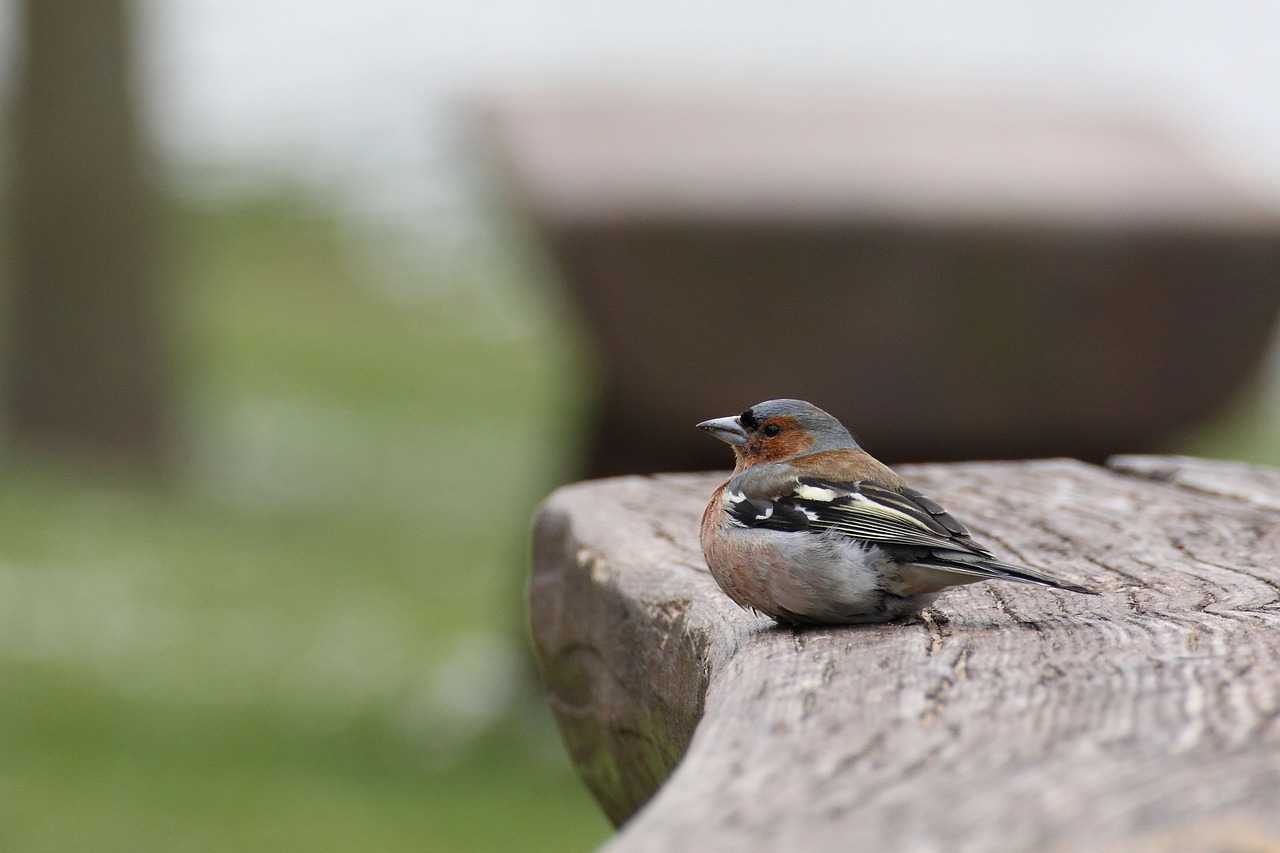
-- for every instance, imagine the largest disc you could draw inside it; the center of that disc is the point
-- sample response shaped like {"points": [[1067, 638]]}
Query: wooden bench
{"points": [[1099, 275], [1008, 718]]}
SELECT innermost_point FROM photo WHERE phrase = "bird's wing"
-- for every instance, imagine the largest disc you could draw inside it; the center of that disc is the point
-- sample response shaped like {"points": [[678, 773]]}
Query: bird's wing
{"points": [[894, 518], [858, 509]]}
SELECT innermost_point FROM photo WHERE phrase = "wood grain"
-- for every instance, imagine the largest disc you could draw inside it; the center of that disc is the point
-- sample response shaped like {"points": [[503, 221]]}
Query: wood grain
{"points": [[1008, 718]]}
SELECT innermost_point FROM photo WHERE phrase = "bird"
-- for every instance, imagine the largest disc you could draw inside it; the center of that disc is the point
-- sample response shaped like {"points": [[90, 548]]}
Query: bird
{"points": [[811, 529]]}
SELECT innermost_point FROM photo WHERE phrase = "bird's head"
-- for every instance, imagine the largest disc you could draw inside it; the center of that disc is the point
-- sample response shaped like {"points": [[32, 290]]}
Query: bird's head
{"points": [[777, 430]]}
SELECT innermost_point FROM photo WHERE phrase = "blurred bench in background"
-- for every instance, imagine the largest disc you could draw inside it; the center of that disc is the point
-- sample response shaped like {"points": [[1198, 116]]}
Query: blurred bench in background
{"points": [[954, 281], [1009, 718]]}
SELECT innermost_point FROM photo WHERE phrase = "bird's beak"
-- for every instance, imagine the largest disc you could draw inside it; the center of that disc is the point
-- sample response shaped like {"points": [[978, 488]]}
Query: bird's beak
{"points": [[728, 430]]}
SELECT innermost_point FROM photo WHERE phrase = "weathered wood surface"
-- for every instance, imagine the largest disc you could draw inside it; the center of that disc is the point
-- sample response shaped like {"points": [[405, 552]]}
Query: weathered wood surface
{"points": [[1010, 718]]}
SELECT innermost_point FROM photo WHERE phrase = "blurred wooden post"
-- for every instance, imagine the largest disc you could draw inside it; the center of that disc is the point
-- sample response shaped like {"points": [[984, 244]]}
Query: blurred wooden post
{"points": [[87, 371], [1009, 718]]}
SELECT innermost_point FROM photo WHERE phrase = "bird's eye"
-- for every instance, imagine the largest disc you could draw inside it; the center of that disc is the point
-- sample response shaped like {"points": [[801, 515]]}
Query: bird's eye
{"points": [[771, 430]]}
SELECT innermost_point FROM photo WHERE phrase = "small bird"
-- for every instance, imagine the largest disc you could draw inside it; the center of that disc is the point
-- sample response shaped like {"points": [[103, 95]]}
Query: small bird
{"points": [[811, 529]]}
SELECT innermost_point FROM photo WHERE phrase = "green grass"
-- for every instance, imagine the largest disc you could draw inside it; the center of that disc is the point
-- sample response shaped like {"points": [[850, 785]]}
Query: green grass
{"points": [[1248, 431], [311, 637]]}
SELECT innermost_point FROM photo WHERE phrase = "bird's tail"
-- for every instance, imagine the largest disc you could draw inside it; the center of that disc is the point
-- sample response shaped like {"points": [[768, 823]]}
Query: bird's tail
{"points": [[986, 568]]}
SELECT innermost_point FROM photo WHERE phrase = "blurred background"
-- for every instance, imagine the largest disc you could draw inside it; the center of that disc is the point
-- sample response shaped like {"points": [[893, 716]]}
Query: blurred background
{"points": [[307, 305]]}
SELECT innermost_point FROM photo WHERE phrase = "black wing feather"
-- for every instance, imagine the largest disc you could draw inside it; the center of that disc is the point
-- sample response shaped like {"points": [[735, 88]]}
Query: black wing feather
{"points": [[881, 514], [872, 512], [860, 510], [779, 514]]}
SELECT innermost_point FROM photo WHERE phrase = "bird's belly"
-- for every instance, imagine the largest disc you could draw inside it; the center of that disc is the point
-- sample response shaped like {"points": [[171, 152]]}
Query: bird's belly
{"points": [[802, 577]]}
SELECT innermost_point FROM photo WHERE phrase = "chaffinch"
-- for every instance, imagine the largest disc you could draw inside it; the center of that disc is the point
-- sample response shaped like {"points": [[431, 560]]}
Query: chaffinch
{"points": [[811, 529]]}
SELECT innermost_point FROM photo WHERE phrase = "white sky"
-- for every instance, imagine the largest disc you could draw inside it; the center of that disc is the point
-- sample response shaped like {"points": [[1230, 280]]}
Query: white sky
{"points": [[362, 95]]}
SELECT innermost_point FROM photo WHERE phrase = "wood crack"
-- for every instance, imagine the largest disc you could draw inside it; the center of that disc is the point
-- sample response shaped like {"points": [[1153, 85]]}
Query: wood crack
{"points": [[1004, 608], [935, 626]]}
